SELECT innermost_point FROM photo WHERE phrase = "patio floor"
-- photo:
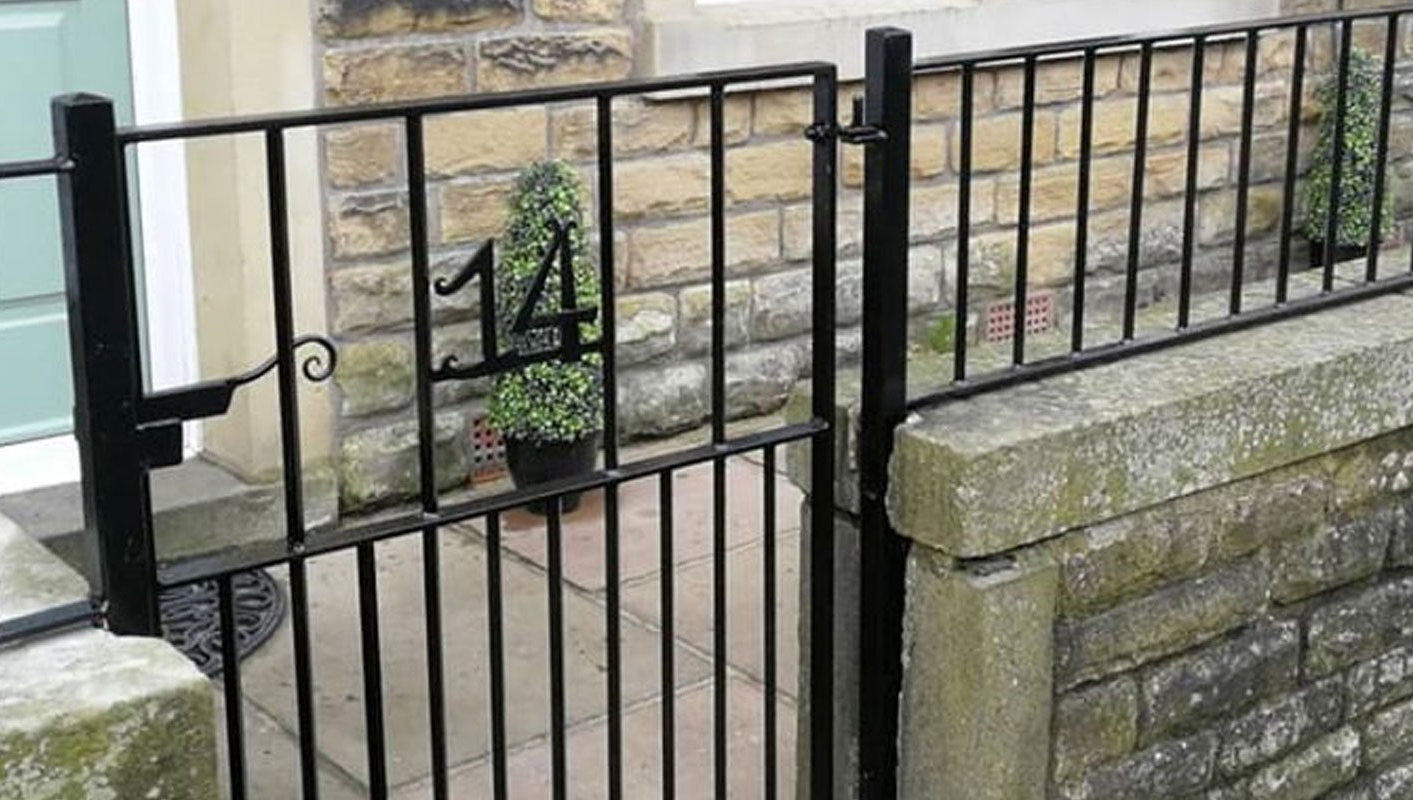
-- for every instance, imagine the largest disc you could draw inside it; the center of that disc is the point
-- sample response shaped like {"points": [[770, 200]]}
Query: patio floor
{"points": [[268, 675]]}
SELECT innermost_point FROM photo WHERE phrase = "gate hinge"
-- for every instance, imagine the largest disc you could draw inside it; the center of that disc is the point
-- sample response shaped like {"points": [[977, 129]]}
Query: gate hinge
{"points": [[848, 134], [856, 133]]}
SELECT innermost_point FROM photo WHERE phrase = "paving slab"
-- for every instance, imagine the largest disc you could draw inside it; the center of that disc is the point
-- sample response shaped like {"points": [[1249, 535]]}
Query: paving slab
{"points": [[338, 674], [529, 773], [745, 610], [272, 759], [640, 523]]}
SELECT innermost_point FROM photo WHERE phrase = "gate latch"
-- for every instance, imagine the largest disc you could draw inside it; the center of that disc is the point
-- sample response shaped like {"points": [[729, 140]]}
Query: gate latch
{"points": [[855, 133]]}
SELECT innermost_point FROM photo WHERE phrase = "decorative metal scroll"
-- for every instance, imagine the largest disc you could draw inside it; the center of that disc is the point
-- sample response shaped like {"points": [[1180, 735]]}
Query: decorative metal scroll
{"points": [[566, 321], [191, 617], [160, 414]]}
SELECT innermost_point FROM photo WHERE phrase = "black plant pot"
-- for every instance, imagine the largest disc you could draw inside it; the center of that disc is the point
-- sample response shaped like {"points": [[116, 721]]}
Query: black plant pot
{"points": [[1343, 253], [535, 463]]}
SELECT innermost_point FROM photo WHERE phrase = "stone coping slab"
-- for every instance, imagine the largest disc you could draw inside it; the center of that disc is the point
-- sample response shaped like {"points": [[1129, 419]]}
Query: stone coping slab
{"points": [[89, 714], [986, 475]]}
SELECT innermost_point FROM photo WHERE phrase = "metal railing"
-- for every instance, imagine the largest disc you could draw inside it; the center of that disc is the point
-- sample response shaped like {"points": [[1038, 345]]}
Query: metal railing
{"points": [[125, 431]]}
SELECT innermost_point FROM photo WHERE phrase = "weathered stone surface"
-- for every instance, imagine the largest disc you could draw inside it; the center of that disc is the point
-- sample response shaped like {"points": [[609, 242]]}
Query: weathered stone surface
{"points": [[783, 112], [1165, 622], [1216, 214], [639, 126], [758, 380], [91, 715], [464, 342], [1123, 558], [1195, 688], [925, 277], [694, 318], [647, 326], [475, 210], [662, 186], [1276, 727], [580, 10], [977, 694], [778, 172], [1093, 725], [1106, 441], [1360, 626], [1382, 680], [1310, 773], [31, 578], [370, 298], [553, 59], [997, 142], [505, 139], [374, 376], [848, 299], [355, 18], [378, 465], [1388, 735], [1394, 784], [929, 156], [735, 120], [1114, 124], [663, 400], [797, 228], [1168, 770], [364, 155], [1331, 555], [933, 209], [1056, 82], [357, 77], [782, 305], [369, 225], [680, 252]]}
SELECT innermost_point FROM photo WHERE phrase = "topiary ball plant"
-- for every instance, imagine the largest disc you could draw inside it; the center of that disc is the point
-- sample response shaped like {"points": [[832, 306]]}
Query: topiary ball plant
{"points": [[550, 413], [1359, 170]]}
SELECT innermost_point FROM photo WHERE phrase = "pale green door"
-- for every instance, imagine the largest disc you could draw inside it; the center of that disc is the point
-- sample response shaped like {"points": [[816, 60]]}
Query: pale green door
{"points": [[47, 48]]}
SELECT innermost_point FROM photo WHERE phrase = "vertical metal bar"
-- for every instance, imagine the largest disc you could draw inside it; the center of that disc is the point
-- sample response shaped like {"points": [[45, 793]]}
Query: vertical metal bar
{"points": [[768, 624], [1346, 50], [669, 642], [1243, 180], [1027, 173], [1194, 157], [1140, 171], [718, 434], [426, 446], [718, 264], [1081, 232], [883, 553], [230, 678], [819, 695], [106, 376], [372, 670], [290, 451], [495, 636], [558, 762], [966, 145], [1292, 163], [608, 317], [1380, 177]]}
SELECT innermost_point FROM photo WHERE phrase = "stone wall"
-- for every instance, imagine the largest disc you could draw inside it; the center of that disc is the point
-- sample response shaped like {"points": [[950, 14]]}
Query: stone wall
{"points": [[1185, 575], [377, 50]]}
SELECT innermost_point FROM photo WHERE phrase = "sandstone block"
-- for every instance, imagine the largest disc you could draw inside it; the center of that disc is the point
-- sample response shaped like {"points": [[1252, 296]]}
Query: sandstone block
{"points": [[1199, 687], [1309, 774], [1094, 725], [782, 305], [647, 326], [1169, 621], [580, 10], [694, 317], [379, 465], [553, 59], [639, 126], [680, 252], [358, 18], [473, 211], [662, 186], [1175, 768], [1277, 727], [657, 401], [374, 376], [1360, 626], [758, 380], [774, 172], [358, 77], [471, 141], [365, 155], [368, 225], [996, 142]]}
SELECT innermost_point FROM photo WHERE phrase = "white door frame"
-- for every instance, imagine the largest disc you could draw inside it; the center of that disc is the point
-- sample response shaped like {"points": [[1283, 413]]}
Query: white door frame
{"points": [[164, 226]]}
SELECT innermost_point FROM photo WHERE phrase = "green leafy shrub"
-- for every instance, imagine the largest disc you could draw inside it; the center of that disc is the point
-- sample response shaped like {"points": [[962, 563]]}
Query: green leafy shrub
{"points": [[1359, 170], [941, 337], [554, 401]]}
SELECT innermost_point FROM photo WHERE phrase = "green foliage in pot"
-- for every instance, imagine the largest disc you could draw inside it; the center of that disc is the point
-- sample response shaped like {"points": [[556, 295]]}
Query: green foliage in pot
{"points": [[1359, 171], [555, 401]]}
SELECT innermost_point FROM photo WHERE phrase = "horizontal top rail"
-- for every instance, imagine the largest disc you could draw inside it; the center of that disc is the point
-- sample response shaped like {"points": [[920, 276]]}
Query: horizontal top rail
{"points": [[36, 167], [222, 126], [1076, 48]]}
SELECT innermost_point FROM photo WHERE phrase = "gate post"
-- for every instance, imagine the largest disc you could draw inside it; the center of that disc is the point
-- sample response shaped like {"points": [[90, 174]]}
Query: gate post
{"points": [[883, 403], [104, 353]]}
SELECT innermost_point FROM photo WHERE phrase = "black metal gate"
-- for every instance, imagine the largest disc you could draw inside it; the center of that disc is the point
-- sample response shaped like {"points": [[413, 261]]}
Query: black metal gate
{"points": [[125, 431]]}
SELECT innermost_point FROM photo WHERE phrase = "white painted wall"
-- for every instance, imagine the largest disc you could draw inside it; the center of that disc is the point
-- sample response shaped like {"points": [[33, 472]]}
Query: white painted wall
{"points": [[694, 35]]}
